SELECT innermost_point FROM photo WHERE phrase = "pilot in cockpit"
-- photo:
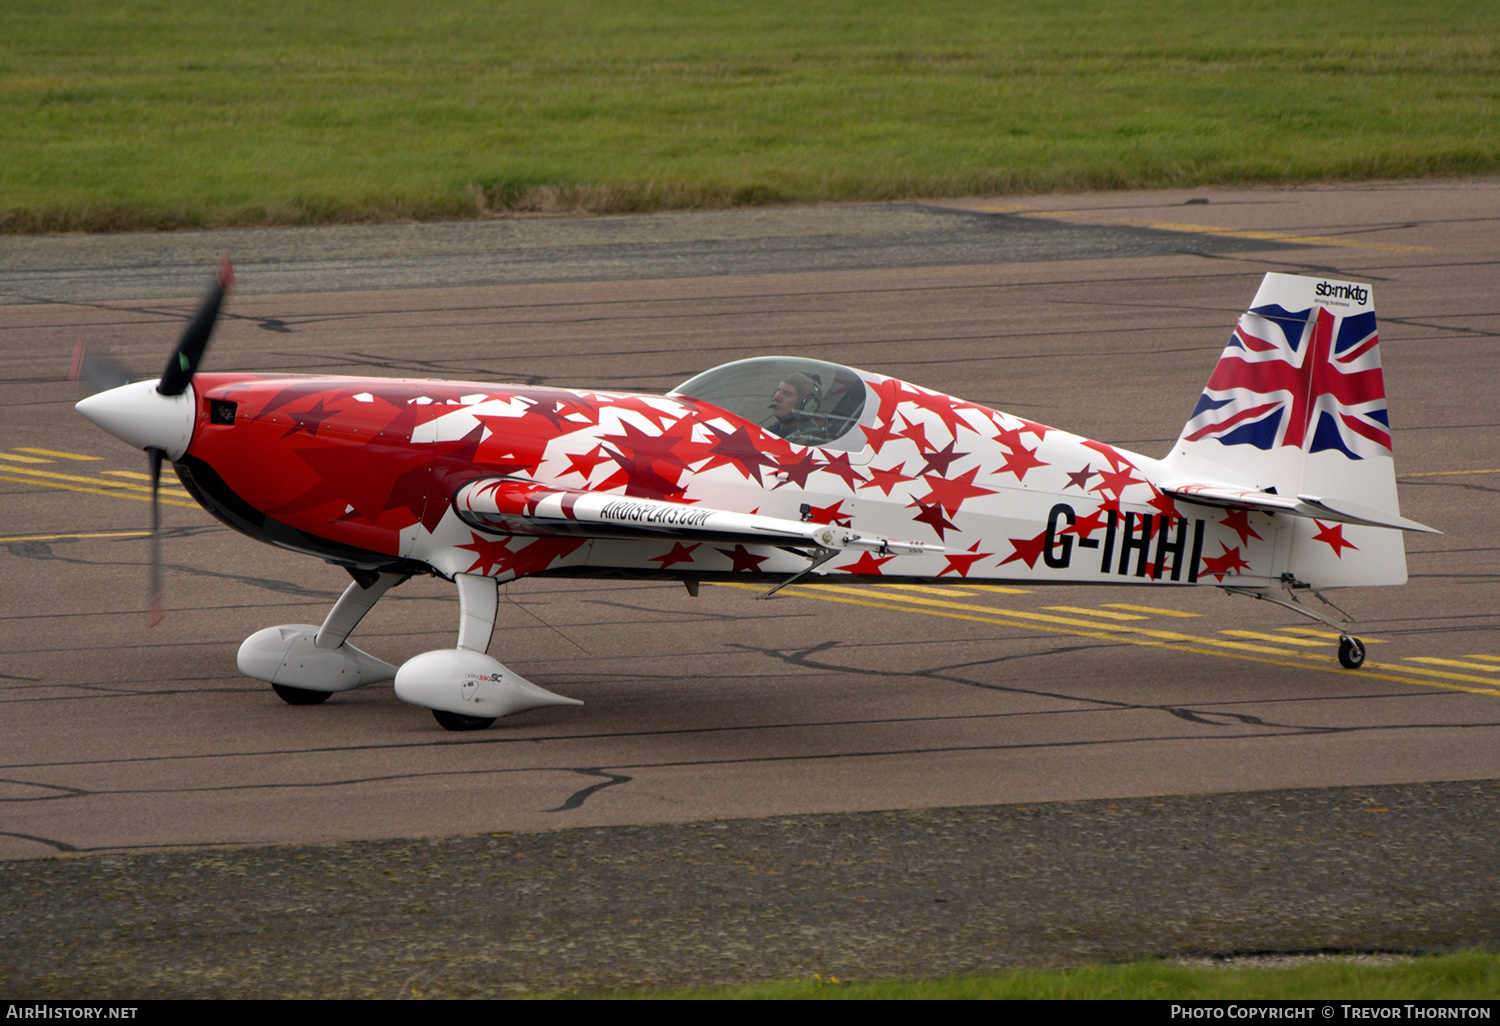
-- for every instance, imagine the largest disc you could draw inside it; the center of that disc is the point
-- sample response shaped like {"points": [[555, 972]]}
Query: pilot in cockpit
{"points": [[792, 406]]}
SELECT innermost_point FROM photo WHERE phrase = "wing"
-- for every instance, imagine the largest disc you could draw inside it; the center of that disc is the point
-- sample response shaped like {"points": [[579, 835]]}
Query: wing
{"points": [[510, 506]]}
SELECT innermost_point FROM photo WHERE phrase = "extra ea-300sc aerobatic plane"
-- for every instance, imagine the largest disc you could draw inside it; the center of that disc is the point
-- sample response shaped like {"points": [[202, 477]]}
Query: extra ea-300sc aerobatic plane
{"points": [[771, 470]]}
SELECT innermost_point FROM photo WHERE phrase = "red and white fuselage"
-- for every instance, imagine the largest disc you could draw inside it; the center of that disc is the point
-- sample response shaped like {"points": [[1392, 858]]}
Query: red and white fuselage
{"points": [[785, 467]]}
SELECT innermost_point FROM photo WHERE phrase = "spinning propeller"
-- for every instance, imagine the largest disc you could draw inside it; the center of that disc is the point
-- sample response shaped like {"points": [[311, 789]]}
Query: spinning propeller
{"points": [[157, 417]]}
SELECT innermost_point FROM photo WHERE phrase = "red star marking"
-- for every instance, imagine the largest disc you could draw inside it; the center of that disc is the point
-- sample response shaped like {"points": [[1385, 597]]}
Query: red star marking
{"points": [[962, 562], [293, 392], [917, 432], [1008, 436], [1116, 481], [694, 446], [1028, 550], [583, 464], [938, 462], [878, 435], [838, 465], [829, 514], [885, 480], [739, 450], [797, 471], [941, 405], [641, 484], [1164, 504], [867, 564], [498, 560], [642, 449], [1020, 461], [744, 560], [488, 554], [680, 554], [1227, 563], [932, 516], [952, 494], [1333, 537], [1238, 521], [1080, 479], [311, 420], [1039, 430], [1108, 452], [557, 411], [1086, 526], [649, 466]]}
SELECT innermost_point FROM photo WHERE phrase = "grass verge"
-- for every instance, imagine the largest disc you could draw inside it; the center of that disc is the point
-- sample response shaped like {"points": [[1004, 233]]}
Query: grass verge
{"points": [[1473, 975], [155, 114]]}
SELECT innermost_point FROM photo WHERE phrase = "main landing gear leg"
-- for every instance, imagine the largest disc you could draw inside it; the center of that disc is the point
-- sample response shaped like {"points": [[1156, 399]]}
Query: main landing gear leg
{"points": [[1351, 649], [478, 605], [353, 604], [463, 686], [305, 664], [478, 601]]}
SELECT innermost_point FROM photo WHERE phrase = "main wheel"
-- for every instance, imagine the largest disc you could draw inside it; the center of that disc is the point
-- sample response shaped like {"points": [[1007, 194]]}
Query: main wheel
{"points": [[1351, 653], [458, 721], [300, 696]]}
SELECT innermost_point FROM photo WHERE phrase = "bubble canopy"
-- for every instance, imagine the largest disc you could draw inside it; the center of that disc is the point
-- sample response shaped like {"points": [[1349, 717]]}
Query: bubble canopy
{"points": [[824, 401]]}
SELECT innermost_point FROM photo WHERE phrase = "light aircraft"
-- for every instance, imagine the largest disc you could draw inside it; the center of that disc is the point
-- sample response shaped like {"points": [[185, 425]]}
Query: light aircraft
{"points": [[772, 470]]}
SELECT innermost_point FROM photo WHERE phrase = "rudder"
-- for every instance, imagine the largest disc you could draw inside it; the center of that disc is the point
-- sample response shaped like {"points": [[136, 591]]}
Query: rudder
{"points": [[1293, 421]]}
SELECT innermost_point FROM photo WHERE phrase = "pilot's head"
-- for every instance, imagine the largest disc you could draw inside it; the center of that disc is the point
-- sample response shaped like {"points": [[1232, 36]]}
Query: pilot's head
{"points": [[793, 389]]}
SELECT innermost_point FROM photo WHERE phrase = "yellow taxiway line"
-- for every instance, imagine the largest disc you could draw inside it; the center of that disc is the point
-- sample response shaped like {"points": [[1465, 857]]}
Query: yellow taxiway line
{"points": [[1133, 635], [1098, 217], [75, 535], [170, 496]]}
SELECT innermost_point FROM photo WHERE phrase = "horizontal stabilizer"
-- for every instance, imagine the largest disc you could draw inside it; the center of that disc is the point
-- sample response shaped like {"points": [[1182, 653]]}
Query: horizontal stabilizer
{"points": [[510, 506], [1353, 513], [1337, 510]]}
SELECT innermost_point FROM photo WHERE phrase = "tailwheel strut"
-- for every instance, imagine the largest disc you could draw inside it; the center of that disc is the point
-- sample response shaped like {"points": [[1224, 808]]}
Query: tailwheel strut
{"points": [[1351, 649]]}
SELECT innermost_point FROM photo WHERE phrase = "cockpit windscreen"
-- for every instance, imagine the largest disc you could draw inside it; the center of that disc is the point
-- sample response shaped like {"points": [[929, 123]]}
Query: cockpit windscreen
{"points": [[808, 402]]}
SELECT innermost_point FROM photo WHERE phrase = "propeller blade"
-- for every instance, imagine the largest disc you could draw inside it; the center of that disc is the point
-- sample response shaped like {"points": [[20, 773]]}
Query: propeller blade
{"points": [[156, 601], [96, 371], [185, 358]]}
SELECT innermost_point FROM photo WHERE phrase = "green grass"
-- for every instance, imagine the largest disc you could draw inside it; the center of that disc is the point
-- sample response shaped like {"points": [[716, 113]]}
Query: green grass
{"points": [[1471, 975], [165, 113]]}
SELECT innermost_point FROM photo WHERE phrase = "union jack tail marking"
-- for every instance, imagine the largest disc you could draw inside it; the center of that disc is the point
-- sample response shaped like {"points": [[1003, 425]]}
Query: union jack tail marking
{"points": [[1308, 379]]}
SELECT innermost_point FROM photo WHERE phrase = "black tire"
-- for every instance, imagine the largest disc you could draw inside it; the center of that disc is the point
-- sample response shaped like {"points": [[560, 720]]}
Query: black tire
{"points": [[300, 696], [1351, 653], [458, 721]]}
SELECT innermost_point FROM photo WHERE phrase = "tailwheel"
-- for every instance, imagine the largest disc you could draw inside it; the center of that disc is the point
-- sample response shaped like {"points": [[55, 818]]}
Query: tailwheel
{"points": [[1351, 653], [300, 696], [458, 721]]}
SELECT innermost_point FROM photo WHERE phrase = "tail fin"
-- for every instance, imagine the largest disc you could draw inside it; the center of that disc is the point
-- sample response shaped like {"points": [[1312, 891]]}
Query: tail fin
{"points": [[1293, 421]]}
